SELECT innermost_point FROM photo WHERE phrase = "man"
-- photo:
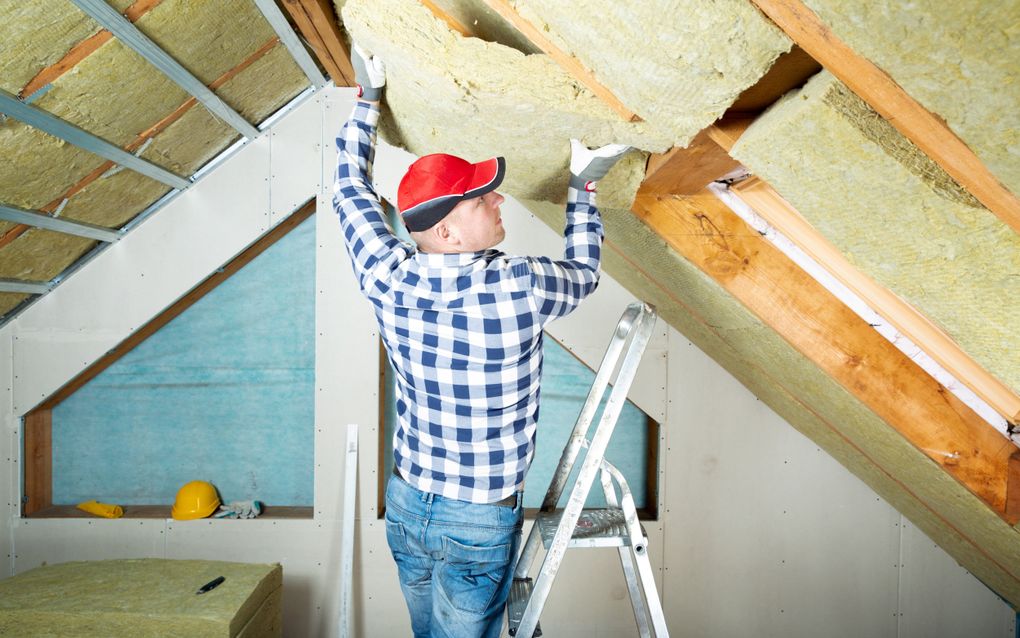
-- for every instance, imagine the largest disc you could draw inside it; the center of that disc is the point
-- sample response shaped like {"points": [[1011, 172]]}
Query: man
{"points": [[462, 325]]}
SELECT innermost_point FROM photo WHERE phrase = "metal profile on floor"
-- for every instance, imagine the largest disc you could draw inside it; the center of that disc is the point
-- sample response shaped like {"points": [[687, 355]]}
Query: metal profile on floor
{"points": [[133, 38]]}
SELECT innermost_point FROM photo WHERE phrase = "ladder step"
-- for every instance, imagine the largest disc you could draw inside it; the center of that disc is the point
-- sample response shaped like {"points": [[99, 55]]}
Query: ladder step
{"points": [[595, 528], [520, 593]]}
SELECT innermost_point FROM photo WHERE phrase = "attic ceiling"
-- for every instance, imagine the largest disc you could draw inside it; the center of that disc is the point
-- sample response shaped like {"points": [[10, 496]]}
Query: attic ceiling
{"points": [[882, 137]]}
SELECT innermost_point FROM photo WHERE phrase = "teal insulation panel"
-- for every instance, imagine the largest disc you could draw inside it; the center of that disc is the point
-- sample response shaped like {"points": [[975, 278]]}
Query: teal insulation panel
{"points": [[222, 393]]}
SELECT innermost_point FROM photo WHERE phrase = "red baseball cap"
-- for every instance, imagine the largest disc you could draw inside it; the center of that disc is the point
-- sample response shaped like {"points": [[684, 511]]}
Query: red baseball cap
{"points": [[435, 183]]}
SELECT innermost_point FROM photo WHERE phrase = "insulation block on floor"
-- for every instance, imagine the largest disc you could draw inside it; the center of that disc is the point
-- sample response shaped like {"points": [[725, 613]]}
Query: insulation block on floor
{"points": [[961, 60], [895, 214], [143, 598]]}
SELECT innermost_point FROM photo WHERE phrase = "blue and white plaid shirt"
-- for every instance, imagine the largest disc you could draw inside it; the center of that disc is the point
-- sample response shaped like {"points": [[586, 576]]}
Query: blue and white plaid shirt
{"points": [[463, 332]]}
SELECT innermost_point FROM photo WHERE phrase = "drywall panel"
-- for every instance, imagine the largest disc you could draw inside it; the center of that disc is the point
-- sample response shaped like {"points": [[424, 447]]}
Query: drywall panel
{"points": [[51, 541], [71, 327], [294, 158], [10, 453], [961, 60], [894, 214], [940, 599], [763, 529], [301, 547]]}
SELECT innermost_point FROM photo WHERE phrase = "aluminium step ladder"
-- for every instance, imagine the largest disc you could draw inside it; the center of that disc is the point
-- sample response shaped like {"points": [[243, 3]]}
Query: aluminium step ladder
{"points": [[614, 526]]}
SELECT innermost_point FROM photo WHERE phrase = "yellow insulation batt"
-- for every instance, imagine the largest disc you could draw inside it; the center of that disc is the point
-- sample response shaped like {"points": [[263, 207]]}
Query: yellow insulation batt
{"points": [[476, 99], [679, 64], [895, 215], [961, 60], [143, 598], [115, 94]]}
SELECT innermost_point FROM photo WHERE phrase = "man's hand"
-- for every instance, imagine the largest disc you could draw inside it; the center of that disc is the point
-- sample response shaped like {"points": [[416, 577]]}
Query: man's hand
{"points": [[588, 166], [369, 73]]}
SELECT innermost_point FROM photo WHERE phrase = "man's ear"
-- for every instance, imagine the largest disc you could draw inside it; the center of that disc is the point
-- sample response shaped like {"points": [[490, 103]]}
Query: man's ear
{"points": [[442, 232]]}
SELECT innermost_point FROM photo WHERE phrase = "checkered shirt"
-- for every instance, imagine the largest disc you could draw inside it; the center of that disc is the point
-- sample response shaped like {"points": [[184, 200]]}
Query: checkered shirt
{"points": [[463, 332]]}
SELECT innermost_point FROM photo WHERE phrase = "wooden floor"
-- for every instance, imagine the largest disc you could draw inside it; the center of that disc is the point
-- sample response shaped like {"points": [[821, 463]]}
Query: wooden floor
{"points": [[163, 511]]}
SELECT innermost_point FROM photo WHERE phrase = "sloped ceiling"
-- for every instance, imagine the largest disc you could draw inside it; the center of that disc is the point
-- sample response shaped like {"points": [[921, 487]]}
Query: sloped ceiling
{"points": [[892, 208], [58, 59], [893, 212]]}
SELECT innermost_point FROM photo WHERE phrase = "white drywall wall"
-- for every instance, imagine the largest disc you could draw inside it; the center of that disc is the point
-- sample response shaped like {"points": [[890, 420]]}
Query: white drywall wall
{"points": [[760, 531]]}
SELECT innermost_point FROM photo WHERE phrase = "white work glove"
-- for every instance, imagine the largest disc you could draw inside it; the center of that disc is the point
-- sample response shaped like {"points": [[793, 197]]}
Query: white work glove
{"points": [[369, 73], [239, 509], [588, 166]]}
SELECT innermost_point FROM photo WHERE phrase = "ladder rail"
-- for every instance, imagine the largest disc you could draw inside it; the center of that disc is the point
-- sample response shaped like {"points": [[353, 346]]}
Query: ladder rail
{"points": [[637, 600], [592, 462], [639, 549], [591, 404], [578, 437]]}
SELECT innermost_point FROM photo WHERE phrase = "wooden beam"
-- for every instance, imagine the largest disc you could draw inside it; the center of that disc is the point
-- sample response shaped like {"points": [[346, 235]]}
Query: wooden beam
{"points": [[451, 21], [38, 461], [922, 127], [728, 130], [818, 325], [685, 171], [316, 20], [182, 304], [1013, 490], [932, 340], [82, 50], [790, 71], [569, 63]]}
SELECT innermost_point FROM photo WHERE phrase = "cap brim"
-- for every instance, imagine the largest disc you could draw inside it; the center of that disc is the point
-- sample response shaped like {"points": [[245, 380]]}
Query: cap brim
{"points": [[487, 178]]}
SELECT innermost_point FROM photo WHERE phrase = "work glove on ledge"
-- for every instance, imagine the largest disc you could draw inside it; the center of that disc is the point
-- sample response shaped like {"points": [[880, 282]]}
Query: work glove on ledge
{"points": [[588, 166], [369, 73], [239, 509]]}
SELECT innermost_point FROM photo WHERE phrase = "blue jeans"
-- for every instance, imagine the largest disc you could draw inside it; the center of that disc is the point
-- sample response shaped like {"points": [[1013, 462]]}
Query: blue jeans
{"points": [[455, 560]]}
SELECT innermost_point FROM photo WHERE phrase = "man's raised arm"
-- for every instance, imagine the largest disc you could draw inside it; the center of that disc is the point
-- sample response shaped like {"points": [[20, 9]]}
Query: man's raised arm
{"points": [[370, 242], [560, 285]]}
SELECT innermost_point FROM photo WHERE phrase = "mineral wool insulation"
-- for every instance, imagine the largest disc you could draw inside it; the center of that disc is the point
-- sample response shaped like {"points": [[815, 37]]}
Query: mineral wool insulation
{"points": [[115, 94], [961, 60], [477, 99], [894, 214]]}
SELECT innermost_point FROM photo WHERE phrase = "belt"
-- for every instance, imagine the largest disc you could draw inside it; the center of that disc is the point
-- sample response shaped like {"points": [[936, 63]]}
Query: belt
{"points": [[510, 501]]}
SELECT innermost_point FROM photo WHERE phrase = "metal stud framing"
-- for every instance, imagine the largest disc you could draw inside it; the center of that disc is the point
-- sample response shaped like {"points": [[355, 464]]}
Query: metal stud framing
{"points": [[21, 286], [39, 220], [133, 38], [290, 40], [49, 123]]}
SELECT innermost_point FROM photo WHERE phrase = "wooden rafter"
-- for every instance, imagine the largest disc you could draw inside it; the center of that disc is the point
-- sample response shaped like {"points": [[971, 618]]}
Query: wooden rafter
{"points": [[933, 341], [450, 21], [569, 63], [685, 171], [82, 50], [818, 325], [316, 20], [922, 127]]}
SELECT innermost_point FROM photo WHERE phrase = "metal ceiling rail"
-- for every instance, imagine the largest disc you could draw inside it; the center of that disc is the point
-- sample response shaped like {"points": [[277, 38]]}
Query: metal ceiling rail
{"points": [[46, 222], [49, 123], [290, 40], [22, 286], [132, 37]]}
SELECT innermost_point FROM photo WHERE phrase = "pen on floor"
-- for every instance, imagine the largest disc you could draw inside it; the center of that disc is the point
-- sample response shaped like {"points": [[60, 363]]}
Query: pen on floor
{"points": [[212, 584]]}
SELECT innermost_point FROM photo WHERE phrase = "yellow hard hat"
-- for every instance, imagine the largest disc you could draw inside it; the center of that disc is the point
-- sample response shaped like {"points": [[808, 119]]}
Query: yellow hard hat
{"points": [[196, 499]]}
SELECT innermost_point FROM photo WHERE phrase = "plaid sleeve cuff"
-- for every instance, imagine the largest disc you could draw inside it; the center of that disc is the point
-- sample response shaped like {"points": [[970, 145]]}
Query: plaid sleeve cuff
{"points": [[367, 112], [576, 196]]}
